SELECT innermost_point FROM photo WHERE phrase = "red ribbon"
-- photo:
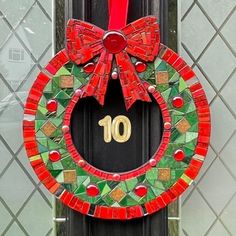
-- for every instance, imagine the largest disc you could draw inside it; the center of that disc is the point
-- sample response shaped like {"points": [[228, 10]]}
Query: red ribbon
{"points": [[140, 39]]}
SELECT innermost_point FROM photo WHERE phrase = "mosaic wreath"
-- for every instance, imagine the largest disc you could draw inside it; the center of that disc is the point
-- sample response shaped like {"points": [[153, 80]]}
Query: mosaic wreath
{"points": [[145, 69]]}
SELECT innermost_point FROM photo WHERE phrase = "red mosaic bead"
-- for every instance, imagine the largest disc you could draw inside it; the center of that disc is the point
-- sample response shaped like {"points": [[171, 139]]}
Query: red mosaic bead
{"points": [[92, 190], [141, 190], [178, 102], [65, 129], [81, 163], [153, 162], [140, 66], [52, 106], [54, 156], [89, 68], [179, 155], [114, 42], [151, 89], [167, 125], [116, 177]]}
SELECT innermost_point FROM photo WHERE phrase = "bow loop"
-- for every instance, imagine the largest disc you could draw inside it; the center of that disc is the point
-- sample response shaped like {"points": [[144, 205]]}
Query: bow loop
{"points": [[143, 38], [84, 41]]}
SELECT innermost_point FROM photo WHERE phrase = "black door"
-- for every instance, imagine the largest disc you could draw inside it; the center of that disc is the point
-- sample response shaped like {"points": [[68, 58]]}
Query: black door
{"points": [[116, 157]]}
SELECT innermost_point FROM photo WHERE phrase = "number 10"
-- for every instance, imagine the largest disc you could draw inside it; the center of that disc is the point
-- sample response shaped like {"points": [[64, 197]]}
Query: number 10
{"points": [[112, 128]]}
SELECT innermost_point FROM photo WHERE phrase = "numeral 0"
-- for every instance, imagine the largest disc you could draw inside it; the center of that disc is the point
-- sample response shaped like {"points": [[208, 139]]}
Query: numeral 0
{"points": [[112, 128]]}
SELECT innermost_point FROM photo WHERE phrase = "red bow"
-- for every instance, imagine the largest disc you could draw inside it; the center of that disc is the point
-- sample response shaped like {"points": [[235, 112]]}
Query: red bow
{"points": [[140, 39]]}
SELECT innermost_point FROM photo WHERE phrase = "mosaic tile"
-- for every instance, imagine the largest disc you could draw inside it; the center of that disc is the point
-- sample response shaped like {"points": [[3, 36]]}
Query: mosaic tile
{"points": [[164, 174]]}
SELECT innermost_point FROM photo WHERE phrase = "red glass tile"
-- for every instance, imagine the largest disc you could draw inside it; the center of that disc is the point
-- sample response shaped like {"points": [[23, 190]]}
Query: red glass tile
{"points": [[54, 156], [114, 42], [92, 190], [179, 155], [89, 68], [141, 190], [178, 102], [140, 66], [52, 105]]}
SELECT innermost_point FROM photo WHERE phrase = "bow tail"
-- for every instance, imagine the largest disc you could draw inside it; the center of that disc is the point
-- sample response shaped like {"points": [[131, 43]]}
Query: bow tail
{"points": [[132, 86], [97, 85]]}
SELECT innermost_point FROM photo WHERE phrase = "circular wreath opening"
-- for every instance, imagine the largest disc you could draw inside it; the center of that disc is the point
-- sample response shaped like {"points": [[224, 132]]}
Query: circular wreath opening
{"points": [[146, 127]]}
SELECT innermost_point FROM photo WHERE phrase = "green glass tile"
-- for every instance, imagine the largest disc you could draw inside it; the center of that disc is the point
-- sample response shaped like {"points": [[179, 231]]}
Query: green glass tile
{"points": [[42, 110], [42, 148], [38, 124], [106, 189], [134, 196], [69, 66], [77, 84], [159, 185], [43, 101], [59, 176], [156, 191], [68, 163], [108, 200], [101, 184], [43, 141], [49, 166], [175, 135], [162, 66], [87, 181], [80, 171], [48, 87], [62, 95], [181, 139], [192, 118], [63, 102], [45, 157], [191, 107], [52, 145], [40, 134], [81, 179], [166, 94], [174, 92], [48, 95], [188, 152], [128, 201], [131, 183], [191, 136], [123, 186], [175, 119], [194, 128], [171, 71], [57, 165], [157, 62], [80, 190], [141, 178], [55, 173], [100, 202], [151, 175], [182, 85], [174, 78], [162, 87], [76, 71], [116, 204], [190, 145], [63, 71], [150, 195]]}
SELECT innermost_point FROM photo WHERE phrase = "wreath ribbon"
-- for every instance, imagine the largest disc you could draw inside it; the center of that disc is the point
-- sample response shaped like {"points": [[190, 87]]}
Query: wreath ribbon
{"points": [[140, 39]]}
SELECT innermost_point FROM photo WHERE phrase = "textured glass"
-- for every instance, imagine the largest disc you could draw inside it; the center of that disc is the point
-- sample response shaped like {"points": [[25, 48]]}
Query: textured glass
{"points": [[25, 45]]}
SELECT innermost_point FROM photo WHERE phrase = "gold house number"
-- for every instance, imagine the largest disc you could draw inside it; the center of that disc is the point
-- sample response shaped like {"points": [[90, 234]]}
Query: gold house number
{"points": [[112, 128]]}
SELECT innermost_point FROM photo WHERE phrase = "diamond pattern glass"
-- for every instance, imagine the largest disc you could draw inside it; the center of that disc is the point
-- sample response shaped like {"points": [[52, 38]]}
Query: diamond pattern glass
{"points": [[25, 44], [214, 191]]}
